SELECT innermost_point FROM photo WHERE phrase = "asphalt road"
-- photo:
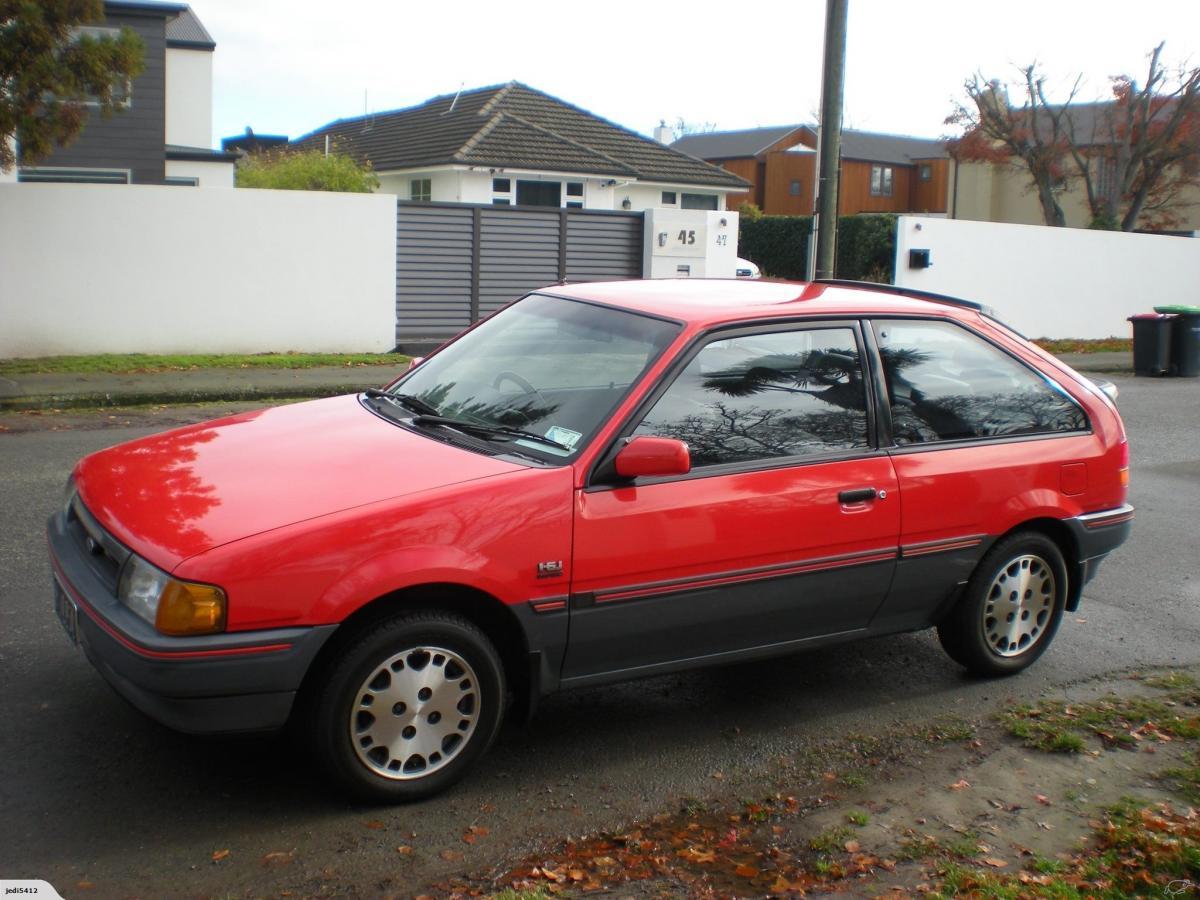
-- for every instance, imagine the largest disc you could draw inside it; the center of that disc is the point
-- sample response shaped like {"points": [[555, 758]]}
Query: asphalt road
{"points": [[102, 802]]}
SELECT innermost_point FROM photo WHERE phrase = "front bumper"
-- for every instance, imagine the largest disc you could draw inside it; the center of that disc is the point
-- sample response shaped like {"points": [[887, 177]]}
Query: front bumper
{"points": [[233, 682]]}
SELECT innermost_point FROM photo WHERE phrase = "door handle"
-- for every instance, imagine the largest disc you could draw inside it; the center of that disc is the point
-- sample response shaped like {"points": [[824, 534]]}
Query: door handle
{"points": [[858, 495]]}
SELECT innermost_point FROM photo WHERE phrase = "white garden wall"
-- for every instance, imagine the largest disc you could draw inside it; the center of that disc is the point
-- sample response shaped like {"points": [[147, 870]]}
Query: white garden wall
{"points": [[145, 269], [1051, 282]]}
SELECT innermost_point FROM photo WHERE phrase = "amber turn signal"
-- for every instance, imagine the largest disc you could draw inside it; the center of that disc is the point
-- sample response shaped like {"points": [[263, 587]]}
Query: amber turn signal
{"points": [[187, 608]]}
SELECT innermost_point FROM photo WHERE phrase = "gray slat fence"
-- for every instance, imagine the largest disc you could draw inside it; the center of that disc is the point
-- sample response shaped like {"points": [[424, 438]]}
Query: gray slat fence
{"points": [[458, 262]]}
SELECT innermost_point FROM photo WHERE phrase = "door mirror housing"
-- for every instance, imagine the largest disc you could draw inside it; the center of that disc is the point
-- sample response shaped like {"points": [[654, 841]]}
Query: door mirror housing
{"points": [[653, 456]]}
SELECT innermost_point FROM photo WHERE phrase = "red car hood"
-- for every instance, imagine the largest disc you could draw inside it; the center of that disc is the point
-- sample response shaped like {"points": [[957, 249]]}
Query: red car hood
{"points": [[176, 494]]}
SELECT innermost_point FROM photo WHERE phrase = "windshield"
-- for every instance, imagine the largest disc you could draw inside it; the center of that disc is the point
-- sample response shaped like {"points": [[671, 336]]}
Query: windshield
{"points": [[547, 366]]}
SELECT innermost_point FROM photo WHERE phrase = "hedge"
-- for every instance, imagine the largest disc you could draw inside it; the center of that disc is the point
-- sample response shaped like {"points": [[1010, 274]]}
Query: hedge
{"points": [[866, 247]]}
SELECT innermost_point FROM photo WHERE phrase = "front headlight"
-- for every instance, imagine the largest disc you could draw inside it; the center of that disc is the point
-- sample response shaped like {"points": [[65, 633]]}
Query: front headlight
{"points": [[172, 606]]}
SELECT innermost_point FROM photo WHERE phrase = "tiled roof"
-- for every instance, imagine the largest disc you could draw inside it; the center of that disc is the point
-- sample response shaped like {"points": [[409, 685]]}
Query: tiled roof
{"points": [[732, 144], [862, 145], [513, 126], [185, 30]]}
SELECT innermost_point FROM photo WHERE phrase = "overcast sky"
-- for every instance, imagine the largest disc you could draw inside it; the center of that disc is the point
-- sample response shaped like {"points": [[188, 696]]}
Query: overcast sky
{"points": [[289, 66]]}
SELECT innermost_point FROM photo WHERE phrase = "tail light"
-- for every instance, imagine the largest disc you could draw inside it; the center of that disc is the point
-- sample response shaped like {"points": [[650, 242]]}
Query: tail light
{"points": [[1123, 470]]}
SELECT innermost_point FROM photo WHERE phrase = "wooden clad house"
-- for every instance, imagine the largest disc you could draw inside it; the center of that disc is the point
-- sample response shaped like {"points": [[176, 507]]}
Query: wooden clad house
{"points": [[880, 172]]}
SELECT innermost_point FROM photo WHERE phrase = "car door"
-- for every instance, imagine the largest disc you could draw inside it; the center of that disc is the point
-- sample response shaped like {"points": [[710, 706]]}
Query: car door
{"points": [[982, 442], [784, 531]]}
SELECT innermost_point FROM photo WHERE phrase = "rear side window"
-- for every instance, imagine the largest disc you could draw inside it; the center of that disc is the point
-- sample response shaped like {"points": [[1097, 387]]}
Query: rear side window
{"points": [[946, 384], [760, 396]]}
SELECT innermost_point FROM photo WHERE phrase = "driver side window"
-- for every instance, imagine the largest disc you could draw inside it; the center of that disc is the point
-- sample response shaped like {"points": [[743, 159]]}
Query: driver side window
{"points": [[761, 396]]}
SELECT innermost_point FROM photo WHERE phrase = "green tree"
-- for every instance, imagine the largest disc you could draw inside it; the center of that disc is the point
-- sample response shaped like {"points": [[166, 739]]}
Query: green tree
{"points": [[306, 170], [51, 68]]}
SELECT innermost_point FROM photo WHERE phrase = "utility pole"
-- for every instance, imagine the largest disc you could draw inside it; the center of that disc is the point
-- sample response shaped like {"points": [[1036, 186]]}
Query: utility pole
{"points": [[829, 141]]}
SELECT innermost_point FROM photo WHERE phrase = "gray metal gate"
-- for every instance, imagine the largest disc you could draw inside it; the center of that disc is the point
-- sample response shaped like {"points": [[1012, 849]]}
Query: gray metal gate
{"points": [[458, 262]]}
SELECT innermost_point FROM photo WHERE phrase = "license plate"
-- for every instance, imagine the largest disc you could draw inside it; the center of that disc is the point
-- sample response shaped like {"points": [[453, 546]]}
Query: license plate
{"points": [[68, 613]]}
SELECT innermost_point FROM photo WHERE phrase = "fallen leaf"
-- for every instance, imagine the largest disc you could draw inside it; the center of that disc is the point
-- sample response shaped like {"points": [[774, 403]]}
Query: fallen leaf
{"points": [[277, 858], [994, 863], [699, 856], [746, 871], [374, 825], [852, 846], [85, 885], [451, 855], [960, 784], [404, 850], [1043, 799], [219, 855]]}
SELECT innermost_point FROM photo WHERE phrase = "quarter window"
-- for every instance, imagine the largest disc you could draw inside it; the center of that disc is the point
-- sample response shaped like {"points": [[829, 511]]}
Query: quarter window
{"points": [[751, 397], [946, 384]]}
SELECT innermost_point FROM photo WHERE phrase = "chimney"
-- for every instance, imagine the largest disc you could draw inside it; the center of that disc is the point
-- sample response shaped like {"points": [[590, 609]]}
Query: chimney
{"points": [[664, 133]]}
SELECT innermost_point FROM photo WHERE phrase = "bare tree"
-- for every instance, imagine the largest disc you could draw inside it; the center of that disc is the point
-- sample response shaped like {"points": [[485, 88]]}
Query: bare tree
{"points": [[1134, 155]]}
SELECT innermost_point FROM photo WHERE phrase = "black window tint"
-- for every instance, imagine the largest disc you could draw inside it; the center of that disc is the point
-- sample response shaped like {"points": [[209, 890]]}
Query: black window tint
{"points": [[759, 396], [501, 185], [946, 384], [574, 188]]}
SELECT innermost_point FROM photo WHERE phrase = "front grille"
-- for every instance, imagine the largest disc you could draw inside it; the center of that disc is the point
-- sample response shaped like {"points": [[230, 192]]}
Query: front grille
{"points": [[102, 552]]}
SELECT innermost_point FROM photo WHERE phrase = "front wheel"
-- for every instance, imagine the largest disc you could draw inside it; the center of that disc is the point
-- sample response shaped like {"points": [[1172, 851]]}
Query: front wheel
{"points": [[408, 706], [1011, 608]]}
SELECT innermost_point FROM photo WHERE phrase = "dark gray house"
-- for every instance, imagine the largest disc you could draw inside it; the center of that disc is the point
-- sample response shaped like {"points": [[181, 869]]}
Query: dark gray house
{"points": [[164, 133]]}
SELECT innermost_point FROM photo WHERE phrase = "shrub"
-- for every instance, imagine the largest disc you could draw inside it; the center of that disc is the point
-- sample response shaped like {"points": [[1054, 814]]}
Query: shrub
{"points": [[779, 244], [306, 170]]}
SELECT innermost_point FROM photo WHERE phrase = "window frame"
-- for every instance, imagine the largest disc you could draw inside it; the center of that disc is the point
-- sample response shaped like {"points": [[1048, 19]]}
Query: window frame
{"points": [[422, 187], [884, 407], [73, 175], [884, 185], [602, 475], [122, 89], [674, 201]]}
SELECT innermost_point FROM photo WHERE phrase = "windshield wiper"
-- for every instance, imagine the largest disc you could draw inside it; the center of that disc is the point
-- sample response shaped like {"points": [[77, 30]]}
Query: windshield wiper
{"points": [[488, 430], [416, 404]]}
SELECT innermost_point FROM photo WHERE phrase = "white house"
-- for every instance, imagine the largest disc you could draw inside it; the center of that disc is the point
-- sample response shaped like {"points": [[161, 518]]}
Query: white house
{"points": [[512, 145]]}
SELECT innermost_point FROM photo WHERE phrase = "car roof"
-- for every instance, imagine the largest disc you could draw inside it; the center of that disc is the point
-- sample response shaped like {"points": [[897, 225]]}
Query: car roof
{"points": [[709, 301]]}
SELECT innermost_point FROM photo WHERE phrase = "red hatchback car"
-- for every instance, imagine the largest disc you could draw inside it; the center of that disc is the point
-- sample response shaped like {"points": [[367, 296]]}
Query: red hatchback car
{"points": [[599, 482]]}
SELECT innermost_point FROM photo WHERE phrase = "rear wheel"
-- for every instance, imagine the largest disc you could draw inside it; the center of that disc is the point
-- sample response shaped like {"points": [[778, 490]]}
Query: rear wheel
{"points": [[408, 706], [1011, 608]]}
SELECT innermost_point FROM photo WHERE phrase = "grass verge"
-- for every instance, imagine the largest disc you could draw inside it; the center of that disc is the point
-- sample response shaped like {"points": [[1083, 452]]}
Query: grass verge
{"points": [[1071, 345], [136, 363]]}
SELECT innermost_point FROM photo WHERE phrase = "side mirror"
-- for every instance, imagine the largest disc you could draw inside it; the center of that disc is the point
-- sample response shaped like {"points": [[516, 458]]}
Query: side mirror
{"points": [[414, 362], [653, 456]]}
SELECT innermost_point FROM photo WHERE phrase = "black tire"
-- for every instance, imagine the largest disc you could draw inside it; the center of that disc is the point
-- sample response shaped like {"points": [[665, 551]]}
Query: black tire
{"points": [[974, 632], [436, 689]]}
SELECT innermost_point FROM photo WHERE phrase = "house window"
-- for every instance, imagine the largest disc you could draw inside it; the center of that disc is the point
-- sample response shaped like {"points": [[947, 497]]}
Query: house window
{"points": [[75, 176], [881, 181], [668, 198], [122, 92], [1106, 177], [501, 186], [539, 193], [182, 181], [574, 188], [421, 189], [794, 188], [698, 201], [501, 201], [925, 172]]}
